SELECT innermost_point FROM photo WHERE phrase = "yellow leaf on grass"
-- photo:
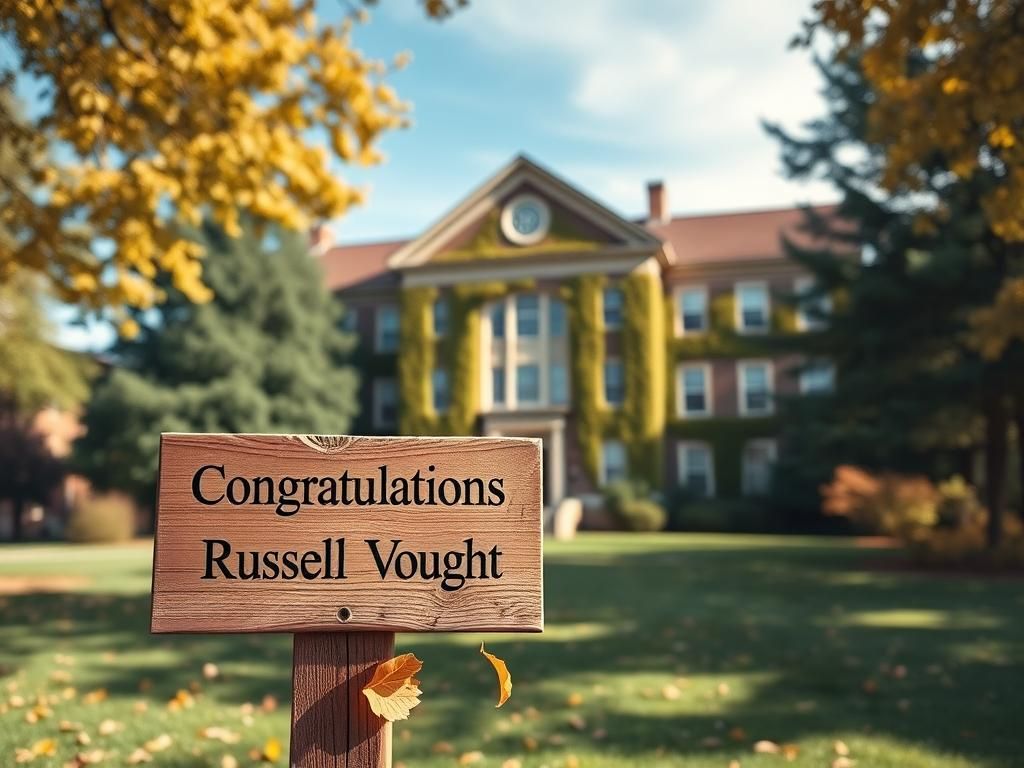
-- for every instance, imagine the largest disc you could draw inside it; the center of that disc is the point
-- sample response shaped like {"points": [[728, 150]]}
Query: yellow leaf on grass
{"points": [[45, 748], [160, 743], [394, 691], [504, 678], [271, 751]]}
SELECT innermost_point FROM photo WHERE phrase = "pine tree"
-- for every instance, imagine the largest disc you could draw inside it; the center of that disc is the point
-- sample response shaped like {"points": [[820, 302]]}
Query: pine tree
{"points": [[911, 394], [267, 354]]}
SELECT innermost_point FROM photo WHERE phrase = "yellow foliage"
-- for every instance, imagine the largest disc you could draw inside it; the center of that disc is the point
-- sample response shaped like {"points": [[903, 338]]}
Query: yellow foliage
{"points": [[175, 110], [965, 105]]}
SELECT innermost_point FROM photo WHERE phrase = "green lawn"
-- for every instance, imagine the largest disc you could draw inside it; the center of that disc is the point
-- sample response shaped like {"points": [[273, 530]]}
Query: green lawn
{"points": [[659, 650]]}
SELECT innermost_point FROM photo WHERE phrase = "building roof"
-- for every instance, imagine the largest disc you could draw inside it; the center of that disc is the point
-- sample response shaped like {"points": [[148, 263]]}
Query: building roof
{"points": [[744, 236], [702, 239], [362, 264]]}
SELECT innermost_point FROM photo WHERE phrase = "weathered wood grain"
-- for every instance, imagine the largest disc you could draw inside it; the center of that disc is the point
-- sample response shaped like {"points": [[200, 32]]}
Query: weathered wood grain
{"points": [[332, 725], [183, 602]]}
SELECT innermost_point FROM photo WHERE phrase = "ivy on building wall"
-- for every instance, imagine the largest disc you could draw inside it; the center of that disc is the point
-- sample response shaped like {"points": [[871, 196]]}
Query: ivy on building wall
{"points": [[644, 360], [726, 438], [640, 422], [721, 339], [489, 243], [582, 296], [458, 353]]}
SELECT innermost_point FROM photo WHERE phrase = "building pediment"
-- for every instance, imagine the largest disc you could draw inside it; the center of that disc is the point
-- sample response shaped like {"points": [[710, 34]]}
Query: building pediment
{"points": [[524, 212]]}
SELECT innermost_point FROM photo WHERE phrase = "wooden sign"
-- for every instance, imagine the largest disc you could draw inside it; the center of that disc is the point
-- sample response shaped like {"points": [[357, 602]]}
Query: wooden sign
{"points": [[289, 533]]}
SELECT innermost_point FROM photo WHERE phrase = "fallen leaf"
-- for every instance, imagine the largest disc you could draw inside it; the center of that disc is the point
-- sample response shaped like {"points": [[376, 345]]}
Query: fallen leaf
{"points": [[504, 678], [271, 751], [840, 748], [45, 748], [228, 761], [219, 733], [109, 727], [393, 691], [790, 751], [139, 756], [843, 762], [574, 699], [765, 747], [512, 762], [442, 748], [159, 744], [210, 671], [469, 758]]}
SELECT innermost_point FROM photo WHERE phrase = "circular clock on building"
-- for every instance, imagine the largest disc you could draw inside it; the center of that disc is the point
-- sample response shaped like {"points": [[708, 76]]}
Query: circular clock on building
{"points": [[525, 220]]}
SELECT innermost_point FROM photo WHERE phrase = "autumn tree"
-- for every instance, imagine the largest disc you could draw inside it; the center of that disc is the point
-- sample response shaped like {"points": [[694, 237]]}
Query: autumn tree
{"points": [[266, 354], [947, 78], [915, 390], [166, 112]]}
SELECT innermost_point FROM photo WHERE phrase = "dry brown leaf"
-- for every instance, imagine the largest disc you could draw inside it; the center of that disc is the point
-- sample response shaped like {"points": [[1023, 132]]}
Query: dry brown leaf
{"points": [[394, 691], [139, 756], [504, 678]]}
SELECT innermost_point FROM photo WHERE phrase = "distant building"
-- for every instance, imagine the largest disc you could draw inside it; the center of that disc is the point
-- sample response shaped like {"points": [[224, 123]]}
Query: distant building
{"points": [[643, 350]]}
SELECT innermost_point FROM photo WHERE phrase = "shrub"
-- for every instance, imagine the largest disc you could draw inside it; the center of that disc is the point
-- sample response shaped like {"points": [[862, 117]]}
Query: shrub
{"points": [[102, 519], [889, 504], [633, 508], [731, 515]]}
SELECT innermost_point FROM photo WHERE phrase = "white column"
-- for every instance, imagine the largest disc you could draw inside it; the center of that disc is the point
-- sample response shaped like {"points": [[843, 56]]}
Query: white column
{"points": [[556, 463]]}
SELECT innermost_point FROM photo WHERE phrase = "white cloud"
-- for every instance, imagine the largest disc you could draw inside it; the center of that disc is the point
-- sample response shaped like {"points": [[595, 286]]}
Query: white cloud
{"points": [[684, 84]]}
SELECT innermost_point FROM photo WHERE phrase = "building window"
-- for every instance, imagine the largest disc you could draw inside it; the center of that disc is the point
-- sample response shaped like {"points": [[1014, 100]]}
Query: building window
{"points": [[752, 307], [612, 303], [758, 460], [440, 318], [387, 328], [693, 310], [813, 308], [755, 387], [350, 319], [696, 469], [694, 389], [613, 462], [614, 382], [528, 383], [385, 403], [559, 385], [439, 383], [527, 315], [498, 385], [817, 378], [498, 321], [556, 318]]}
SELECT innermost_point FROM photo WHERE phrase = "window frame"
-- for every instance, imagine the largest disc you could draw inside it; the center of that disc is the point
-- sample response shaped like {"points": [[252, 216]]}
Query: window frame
{"points": [[682, 465], [745, 488], [604, 308], [603, 469], [540, 386], [801, 286], [376, 406], [539, 316], [808, 368], [378, 328], [440, 301], [681, 410], [620, 363], [433, 390], [741, 386], [738, 319], [680, 322]]}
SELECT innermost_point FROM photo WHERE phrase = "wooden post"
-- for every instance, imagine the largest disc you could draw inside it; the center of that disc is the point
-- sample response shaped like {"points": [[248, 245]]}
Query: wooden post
{"points": [[332, 725], [343, 541]]}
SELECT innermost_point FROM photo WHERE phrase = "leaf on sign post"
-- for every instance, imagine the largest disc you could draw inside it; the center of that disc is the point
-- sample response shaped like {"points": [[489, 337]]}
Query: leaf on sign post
{"points": [[393, 691], [504, 677]]}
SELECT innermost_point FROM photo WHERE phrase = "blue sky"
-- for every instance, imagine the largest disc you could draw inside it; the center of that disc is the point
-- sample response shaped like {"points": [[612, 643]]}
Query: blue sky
{"points": [[607, 93]]}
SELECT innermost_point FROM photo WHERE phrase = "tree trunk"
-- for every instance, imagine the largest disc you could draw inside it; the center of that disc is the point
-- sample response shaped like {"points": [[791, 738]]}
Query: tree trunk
{"points": [[1018, 418], [996, 423], [18, 510]]}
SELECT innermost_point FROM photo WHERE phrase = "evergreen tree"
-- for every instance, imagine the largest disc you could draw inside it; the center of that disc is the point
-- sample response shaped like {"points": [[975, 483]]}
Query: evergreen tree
{"points": [[912, 393], [266, 354]]}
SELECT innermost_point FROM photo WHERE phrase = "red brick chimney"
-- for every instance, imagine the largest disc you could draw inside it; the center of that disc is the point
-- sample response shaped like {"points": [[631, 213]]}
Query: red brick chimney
{"points": [[320, 239], [657, 202]]}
